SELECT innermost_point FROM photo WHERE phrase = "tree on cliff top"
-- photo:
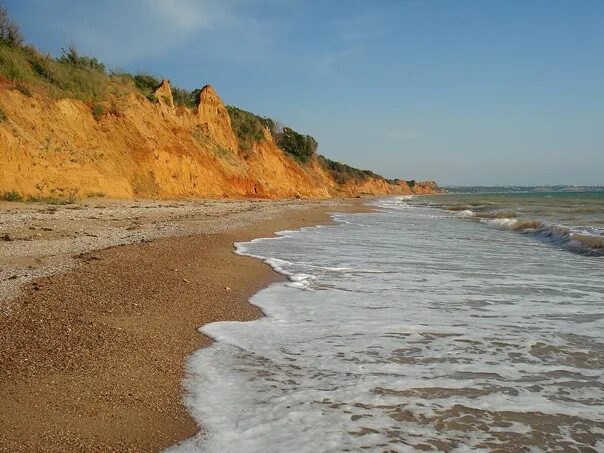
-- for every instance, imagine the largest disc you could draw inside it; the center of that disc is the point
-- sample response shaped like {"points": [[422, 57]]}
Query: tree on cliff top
{"points": [[72, 56], [302, 147], [10, 34]]}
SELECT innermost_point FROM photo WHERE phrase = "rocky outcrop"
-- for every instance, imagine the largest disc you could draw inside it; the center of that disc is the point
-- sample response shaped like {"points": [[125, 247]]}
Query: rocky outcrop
{"points": [[215, 119], [139, 148], [163, 94]]}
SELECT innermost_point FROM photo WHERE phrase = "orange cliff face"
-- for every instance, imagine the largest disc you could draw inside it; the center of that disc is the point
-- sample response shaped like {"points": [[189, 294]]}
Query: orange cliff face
{"points": [[138, 148], [215, 119]]}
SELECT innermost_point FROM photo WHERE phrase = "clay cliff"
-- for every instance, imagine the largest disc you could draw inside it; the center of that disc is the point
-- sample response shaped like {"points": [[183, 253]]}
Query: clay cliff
{"points": [[132, 146]]}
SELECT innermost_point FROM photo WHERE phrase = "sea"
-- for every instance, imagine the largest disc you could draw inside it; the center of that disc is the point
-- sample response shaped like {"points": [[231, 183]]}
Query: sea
{"points": [[450, 323]]}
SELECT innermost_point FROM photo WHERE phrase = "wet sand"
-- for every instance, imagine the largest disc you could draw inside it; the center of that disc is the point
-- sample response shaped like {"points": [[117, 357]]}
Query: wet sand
{"points": [[92, 356]]}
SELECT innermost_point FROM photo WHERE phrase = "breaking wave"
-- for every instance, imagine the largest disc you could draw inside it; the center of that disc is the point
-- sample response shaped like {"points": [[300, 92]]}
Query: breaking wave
{"points": [[548, 219], [409, 329], [586, 241]]}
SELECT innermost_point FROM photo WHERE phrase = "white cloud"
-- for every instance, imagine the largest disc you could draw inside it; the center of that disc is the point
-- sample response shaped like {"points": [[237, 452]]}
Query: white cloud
{"points": [[123, 32]]}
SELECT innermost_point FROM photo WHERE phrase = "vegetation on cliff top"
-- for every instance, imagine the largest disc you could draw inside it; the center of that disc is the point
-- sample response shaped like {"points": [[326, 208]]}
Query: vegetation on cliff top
{"points": [[71, 75], [342, 173], [250, 127], [9, 30], [302, 147], [77, 76]]}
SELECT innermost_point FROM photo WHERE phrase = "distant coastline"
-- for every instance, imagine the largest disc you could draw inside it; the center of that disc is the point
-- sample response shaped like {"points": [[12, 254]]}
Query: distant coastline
{"points": [[523, 189]]}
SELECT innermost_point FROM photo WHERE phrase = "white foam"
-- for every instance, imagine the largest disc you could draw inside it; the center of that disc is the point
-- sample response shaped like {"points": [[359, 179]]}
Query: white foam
{"points": [[398, 202], [409, 320], [466, 213], [503, 222]]}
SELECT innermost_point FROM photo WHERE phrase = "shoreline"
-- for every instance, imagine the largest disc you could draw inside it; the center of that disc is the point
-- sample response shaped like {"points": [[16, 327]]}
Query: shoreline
{"points": [[93, 358]]}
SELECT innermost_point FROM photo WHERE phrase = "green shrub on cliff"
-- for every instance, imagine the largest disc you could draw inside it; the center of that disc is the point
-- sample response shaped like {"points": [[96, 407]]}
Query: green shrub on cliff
{"points": [[97, 111], [27, 65], [301, 147], [184, 97], [77, 76], [342, 173], [10, 34], [73, 57], [146, 83], [13, 195], [248, 127], [14, 65]]}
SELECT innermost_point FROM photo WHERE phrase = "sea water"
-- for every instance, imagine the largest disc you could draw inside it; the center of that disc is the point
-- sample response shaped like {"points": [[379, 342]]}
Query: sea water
{"points": [[413, 328]]}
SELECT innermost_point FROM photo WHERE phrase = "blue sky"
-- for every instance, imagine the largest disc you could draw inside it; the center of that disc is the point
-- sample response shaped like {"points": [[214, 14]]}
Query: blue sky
{"points": [[461, 91]]}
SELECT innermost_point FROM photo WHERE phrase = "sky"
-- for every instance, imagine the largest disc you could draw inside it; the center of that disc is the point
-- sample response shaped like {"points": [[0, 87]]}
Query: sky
{"points": [[465, 92]]}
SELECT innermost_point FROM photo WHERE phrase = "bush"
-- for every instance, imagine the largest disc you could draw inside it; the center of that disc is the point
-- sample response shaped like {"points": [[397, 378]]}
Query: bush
{"points": [[146, 83], [342, 173], [73, 57], [97, 111], [114, 110], [23, 89], [247, 126], [14, 65], [301, 147], [27, 65], [13, 195], [184, 97], [81, 83], [10, 34], [3, 116], [95, 194], [71, 199]]}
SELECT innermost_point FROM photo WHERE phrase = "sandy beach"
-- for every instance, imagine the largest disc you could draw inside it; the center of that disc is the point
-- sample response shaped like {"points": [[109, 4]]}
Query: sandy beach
{"points": [[100, 303]]}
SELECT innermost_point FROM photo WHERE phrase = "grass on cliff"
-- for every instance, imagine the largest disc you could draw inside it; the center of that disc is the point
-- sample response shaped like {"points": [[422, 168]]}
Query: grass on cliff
{"points": [[26, 65], [15, 196], [77, 76], [12, 195], [248, 127], [342, 173]]}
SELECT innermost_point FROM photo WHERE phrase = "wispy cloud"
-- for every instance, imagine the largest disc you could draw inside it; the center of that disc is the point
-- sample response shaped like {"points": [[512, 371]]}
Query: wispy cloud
{"points": [[121, 32], [328, 61], [195, 15], [184, 15]]}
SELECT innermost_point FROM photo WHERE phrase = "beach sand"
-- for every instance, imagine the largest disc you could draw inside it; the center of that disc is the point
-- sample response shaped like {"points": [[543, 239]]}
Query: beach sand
{"points": [[100, 306]]}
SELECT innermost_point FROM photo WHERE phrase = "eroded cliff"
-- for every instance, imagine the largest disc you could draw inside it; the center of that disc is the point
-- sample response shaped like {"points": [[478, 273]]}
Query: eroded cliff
{"points": [[130, 146]]}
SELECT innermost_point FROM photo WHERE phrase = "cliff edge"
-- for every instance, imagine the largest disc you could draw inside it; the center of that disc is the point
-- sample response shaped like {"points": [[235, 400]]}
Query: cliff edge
{"points": [[130, 145]]}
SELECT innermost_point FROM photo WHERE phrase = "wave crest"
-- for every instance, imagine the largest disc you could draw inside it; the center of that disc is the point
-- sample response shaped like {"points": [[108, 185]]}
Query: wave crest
{"points": [[586, 241]]}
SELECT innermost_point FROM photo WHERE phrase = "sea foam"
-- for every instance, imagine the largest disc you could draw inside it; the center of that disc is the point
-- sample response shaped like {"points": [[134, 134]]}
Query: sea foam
{"points": [[411, 331]]}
